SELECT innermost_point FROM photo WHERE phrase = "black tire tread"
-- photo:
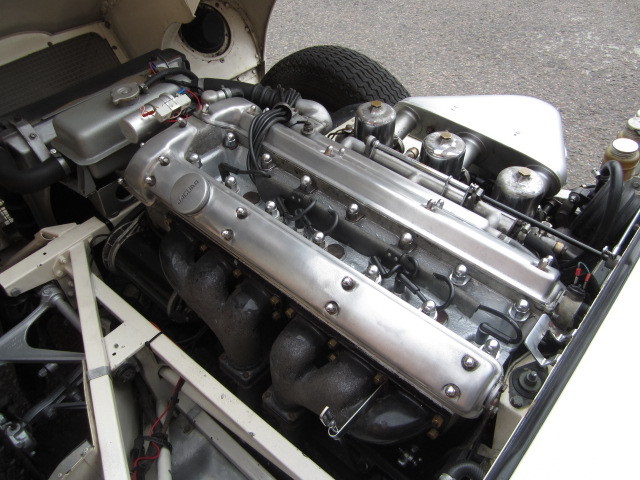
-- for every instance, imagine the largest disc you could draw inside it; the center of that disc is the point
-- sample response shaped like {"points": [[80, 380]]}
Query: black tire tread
{"points": [[336, 77]]}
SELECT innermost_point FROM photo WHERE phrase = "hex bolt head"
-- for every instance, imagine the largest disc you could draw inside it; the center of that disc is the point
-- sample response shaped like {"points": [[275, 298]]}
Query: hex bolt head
{"points": [[231, 182], [266, 160], [271, 208], [318, 239], [194, 159], [531, 378], [451, 390], [429, 309], [460, 275], [121, 182], [150, 180], [544, 262], [520, 310], [227, 234], [332, 344], [433, 434], [469, 363], [406, 241], [492, 347], [516, 401], [307, 128], [353, 212], [230, 141], [329, 151], [306, 184], [348, 283], [242, 213], [164, 161], [437, 421], [331, 308], [372, 272]]}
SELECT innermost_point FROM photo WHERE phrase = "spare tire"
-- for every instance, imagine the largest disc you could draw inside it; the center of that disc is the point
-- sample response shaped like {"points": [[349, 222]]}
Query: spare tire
{"points": [[336, 77]]}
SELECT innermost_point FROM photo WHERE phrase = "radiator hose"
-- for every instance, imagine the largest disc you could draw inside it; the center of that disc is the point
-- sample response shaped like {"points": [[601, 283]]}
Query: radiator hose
{"points": [[29, 180]]}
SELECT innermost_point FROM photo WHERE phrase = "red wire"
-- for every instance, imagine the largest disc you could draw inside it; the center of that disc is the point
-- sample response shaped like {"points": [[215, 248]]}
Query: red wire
{"points": [[196, 97], [153, 427]]}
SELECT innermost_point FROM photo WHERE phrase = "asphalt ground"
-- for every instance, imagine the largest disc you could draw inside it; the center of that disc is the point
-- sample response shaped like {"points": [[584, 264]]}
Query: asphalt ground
{"points": [[582, 57]]}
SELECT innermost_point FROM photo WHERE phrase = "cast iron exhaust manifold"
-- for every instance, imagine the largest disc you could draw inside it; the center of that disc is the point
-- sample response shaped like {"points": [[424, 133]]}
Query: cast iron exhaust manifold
{"points": [[342, 384], [204, 284]]}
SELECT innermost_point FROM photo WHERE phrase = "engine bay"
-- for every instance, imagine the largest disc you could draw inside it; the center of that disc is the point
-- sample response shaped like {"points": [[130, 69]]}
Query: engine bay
{"points": [[383, 292]]}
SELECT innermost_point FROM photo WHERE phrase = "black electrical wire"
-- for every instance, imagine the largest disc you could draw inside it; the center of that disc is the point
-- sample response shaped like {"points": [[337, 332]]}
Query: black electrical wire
{"points": [[258, 130], [489, 330], [413, 288], [452, 291], [334, 224], [169, 72]]}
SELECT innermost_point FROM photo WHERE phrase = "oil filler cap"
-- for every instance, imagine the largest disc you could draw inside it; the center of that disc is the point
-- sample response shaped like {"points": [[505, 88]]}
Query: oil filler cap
{"points": [[190, 193]]}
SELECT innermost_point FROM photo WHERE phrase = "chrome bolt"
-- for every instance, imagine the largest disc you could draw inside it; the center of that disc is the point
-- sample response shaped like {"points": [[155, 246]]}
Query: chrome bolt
{"points": [[519, 311], [492, 347], [469, 363], [164, 161], [150, 180], [242, 212], [544, 262], [267, 161], [348, 283], [372, 272], [53, 151], [194, 159], [451, 390], [205, 108], [271, 208], [121, 182], [307, 128], [251, 110], [353, 212], [231, 183], [434, 204], [230, 141], [406, 241], [227, 234], [329, 151], [318, 239], [306, 184], [33, 136], [331, 308], [182, 122], [429, 309], [459, 276]]}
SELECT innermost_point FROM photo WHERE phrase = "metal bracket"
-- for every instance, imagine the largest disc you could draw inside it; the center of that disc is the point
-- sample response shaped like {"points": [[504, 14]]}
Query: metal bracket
{"points": [[536, 335], [329, 421]]}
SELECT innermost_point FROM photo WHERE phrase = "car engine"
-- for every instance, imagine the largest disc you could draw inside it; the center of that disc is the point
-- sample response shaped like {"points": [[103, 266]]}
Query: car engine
{"points": [[388, 290]]}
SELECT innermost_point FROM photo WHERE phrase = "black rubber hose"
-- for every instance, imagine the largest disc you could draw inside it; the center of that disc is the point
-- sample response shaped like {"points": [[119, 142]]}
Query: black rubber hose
{"points": [[462, 470], [261, 95], [168, 73], [31, 179]]}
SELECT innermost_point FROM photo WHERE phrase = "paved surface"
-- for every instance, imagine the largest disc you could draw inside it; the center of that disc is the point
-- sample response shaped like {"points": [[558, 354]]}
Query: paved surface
{"points": [[581, 56]]}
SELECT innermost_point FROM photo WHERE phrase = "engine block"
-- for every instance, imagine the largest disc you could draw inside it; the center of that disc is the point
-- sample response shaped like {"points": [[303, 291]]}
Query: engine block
{"points": [[366, 216]]}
